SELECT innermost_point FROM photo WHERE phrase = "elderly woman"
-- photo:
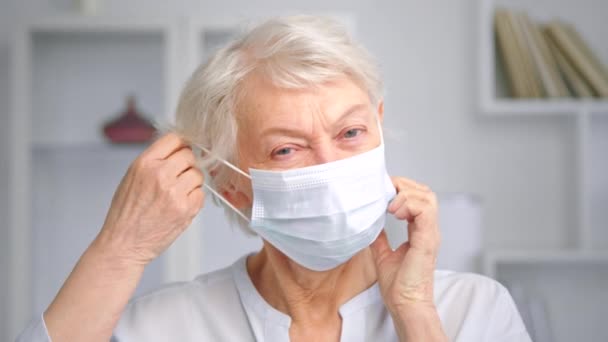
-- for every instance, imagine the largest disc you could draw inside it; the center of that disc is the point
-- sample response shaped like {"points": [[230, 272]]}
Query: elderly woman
{"points": [[286, 122]]}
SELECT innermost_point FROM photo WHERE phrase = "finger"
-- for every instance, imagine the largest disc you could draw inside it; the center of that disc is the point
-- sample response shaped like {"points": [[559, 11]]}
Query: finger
{"points": [[180, 161], [402, 183], [403, 186], [411, 208], [403, 196], [420, 220], [403, 213], [165, 146], [189, 180], [397, 202], [197, 198]]}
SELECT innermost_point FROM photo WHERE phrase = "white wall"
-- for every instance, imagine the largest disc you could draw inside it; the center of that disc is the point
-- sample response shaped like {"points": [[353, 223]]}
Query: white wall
{"points": [[522, 169], [5, 24], [3, 180]]}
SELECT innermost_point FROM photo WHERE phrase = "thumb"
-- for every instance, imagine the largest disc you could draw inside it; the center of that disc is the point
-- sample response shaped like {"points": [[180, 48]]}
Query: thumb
{"points": [[380, 248]]}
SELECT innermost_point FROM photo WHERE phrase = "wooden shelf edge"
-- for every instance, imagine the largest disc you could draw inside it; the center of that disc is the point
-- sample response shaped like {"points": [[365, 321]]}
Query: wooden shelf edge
{"points": [[491, 259], [548, 256]]}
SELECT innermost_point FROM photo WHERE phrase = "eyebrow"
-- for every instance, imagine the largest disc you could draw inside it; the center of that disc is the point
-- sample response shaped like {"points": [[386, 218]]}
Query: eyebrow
{"points": [[295, 132]]}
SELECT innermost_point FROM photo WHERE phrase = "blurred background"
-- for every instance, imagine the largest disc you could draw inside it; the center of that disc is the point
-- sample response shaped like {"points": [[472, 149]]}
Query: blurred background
{"points": [[500, 106]]}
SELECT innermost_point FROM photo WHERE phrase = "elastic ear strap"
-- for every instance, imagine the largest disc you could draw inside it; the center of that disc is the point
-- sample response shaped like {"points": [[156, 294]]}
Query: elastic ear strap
{"points": [[225, 201], [221, 198], [223, 161]]}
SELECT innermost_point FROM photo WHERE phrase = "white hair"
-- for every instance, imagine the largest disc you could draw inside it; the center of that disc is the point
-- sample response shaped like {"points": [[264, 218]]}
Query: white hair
{"points": [[295, 52]]}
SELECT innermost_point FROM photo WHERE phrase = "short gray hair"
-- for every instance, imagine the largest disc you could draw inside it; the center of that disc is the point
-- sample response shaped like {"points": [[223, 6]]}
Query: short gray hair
{"points": [[291, 52]]}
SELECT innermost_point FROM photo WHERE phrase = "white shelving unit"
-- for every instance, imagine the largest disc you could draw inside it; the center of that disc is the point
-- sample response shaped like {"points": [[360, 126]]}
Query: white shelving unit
{"points": [[562, 276], [569, 286], [70, 75]]}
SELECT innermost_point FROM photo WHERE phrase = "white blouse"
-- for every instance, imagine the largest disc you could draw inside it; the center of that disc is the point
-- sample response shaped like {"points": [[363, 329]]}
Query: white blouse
{"points": [[225, 306]]}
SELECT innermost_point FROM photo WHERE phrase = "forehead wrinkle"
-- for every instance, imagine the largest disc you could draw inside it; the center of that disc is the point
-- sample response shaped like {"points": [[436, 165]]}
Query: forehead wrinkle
{"points": [[303, 113], [267, 106], [318, 117]]}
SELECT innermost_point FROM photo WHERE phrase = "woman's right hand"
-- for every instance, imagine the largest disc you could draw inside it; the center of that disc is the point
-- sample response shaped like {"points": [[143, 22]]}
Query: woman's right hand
{"points": [[155, 202]]}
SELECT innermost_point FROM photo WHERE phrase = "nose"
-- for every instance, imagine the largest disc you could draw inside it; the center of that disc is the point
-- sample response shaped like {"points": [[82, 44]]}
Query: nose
{"points": [[326, 152]]}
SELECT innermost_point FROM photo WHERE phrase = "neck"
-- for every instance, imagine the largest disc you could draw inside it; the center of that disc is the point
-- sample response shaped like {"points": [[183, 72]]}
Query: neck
{"points": [[308, 296]]}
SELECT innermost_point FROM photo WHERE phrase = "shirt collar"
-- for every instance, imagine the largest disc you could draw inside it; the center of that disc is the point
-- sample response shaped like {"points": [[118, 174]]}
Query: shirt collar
{"points": [[251, 298]]}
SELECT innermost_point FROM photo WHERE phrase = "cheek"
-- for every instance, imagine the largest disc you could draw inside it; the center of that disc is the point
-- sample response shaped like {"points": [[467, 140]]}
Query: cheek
{"points": [[379, 139], [371, 141], [244, 187], [376, 139]]}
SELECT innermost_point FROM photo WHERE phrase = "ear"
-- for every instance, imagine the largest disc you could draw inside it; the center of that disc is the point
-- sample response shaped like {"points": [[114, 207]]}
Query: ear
{"points": [[237, 198], [381, 110]]}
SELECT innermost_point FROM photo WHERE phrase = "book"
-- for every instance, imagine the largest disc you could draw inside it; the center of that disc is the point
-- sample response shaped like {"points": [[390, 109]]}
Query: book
{"points": [[577, 58], [533, 77], [585, 49], [508, 52], [553, 61], [578, 87], [552, 82], [533, 83]]}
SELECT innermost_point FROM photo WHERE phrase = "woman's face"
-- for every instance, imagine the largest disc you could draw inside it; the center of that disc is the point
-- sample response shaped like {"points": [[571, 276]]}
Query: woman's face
{"points": [[281, 129]]}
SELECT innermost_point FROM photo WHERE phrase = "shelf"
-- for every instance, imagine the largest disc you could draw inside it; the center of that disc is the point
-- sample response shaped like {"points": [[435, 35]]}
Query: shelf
{"points": [[71, 75], [597, 181], [548, 107], [80, 80], [80, 24], [573, 296], [569, 286], [562, 284], [491, 78], [585, 145], [86, 147], [539, 257]]}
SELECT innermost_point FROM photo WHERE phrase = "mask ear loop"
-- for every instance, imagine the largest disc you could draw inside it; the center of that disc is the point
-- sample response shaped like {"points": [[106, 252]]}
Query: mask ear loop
{"points": [[380, 130], [223, 161], [217, 194]]}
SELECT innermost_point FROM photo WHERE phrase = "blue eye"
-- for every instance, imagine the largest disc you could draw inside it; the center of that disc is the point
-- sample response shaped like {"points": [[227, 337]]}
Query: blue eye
{"points": [[351, 133], [283, 151]]}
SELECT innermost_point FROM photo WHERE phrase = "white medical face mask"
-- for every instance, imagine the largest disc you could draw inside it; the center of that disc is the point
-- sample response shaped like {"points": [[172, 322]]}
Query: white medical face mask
{"points": [[320, 216]]}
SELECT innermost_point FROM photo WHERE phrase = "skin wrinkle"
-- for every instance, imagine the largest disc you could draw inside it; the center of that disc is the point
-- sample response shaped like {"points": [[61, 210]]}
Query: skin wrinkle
{"points": [[315, 130], [301, 294]]}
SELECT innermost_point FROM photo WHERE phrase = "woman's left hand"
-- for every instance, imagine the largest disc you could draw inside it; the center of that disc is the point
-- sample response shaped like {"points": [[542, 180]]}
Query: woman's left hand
{"points": [[405, 275]]}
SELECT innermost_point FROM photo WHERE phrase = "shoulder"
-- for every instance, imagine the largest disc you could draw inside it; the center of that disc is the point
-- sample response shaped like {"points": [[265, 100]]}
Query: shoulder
{"points": [[467, 301], [180, 311], [183, 295], [476, 285], [465, 293]]}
